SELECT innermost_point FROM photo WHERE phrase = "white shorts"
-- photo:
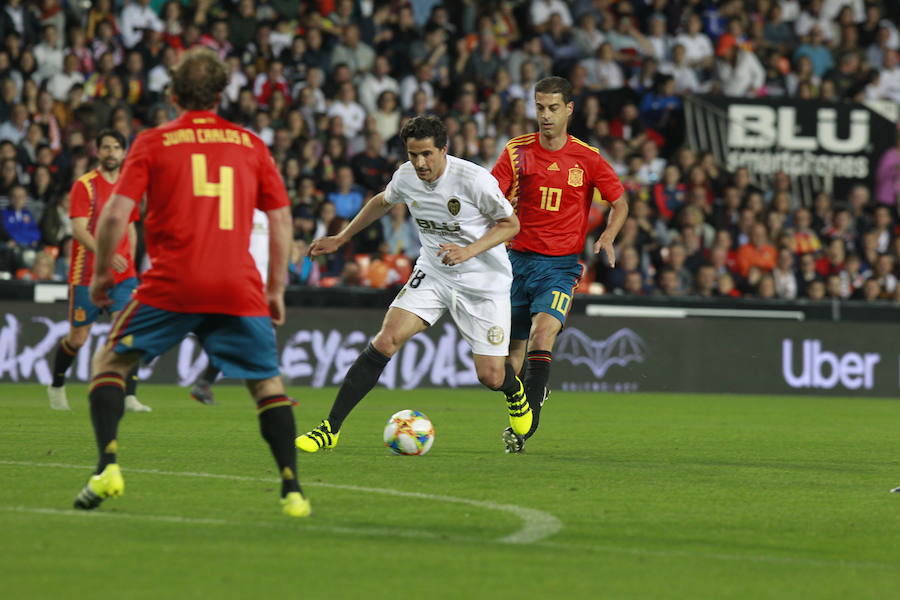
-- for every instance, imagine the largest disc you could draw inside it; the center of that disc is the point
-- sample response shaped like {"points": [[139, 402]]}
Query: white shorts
{"points": [[483, 320]]}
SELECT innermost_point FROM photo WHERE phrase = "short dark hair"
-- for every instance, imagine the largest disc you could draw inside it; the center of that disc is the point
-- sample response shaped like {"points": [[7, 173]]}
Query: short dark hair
{"points": [[116, 135], [199, 79], [425, 126], [555, 85]]}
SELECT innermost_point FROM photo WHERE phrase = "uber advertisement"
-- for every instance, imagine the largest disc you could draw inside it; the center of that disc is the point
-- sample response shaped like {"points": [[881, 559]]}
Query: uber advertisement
{"points": [[593, 354]]}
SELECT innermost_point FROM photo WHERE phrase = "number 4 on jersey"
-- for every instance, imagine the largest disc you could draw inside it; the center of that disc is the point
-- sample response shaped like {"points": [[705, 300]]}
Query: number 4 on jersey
{"points": [[224, 190]]}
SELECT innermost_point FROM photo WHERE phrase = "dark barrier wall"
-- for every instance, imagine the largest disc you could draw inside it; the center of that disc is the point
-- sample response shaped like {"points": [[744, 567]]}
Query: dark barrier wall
{"points": [[317, 346]]}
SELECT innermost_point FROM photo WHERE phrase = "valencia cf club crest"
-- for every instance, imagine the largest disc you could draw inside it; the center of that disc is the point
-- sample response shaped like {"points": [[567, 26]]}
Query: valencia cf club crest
{"points": [[453, 206], [576, 177]]}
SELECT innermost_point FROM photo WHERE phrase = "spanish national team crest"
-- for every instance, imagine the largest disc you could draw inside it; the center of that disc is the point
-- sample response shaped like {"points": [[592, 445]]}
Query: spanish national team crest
{"points": [[495, 335], [80, 314], [453, 206], [576, 177]]}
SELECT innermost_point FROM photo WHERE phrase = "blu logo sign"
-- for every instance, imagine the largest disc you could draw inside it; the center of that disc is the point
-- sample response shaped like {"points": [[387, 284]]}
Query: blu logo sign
{"points": [[824, 370]]}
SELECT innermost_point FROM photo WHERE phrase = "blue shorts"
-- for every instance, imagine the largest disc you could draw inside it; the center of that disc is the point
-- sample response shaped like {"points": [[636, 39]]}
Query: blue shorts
{"points": [[240, 347], [541, 284], [82, 311]]}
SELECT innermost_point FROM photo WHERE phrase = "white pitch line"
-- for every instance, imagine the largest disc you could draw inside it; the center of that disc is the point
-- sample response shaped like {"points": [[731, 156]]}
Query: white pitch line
{"points": [[414, 534], [537, 525], [280, 525]]}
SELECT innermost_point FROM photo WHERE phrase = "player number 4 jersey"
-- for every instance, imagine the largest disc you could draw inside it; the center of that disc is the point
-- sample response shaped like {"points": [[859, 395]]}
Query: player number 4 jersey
{"points": [[458, 208], [552, 192]]}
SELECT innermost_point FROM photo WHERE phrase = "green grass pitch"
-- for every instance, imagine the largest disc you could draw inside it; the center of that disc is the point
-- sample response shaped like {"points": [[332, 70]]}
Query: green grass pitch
{"points": [[619, 496]]}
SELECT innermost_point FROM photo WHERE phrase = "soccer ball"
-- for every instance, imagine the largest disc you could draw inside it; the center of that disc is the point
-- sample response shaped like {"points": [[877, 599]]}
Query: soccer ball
{"points": [[409, 432]]}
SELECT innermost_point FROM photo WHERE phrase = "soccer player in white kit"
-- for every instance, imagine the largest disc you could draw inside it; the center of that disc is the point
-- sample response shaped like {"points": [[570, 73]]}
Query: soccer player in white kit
{"points": [[463, 220], [201, 389]]}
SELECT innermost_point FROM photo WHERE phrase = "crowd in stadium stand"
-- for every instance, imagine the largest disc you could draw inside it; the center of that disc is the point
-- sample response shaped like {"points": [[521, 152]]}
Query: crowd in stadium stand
{"points": [[328, 84]]}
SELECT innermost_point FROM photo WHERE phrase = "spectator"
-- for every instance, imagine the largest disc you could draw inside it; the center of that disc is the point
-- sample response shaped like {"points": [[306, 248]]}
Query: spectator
{"points": [[400, 235], [19, 222], [603, 72], [705, 282], [669, 283], [871, 290], [757, 252], [347, 196], [374, 84], [55, 224], [740, 72], [49, 53], [370, 168], [16, 127], [806, 240], [698, 47], [884, 273], [302, 270], [137, 18], [353, 52], [669, 194], [541, 12], [349, 110]]}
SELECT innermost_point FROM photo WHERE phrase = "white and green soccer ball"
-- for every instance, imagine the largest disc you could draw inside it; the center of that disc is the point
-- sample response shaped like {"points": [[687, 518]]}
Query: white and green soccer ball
{"points": [[409, 432]]}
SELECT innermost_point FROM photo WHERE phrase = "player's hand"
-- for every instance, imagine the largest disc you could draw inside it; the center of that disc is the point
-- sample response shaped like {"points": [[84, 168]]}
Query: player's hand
{"points": [[119, 263], [325, 245], [451, 254], [101, 283], [276, 306], [605, 243]]}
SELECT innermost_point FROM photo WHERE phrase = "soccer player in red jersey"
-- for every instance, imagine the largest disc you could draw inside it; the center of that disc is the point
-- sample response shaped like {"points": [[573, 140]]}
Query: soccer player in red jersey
{"points": [[202, 177], [550, 177], [87, 198]]}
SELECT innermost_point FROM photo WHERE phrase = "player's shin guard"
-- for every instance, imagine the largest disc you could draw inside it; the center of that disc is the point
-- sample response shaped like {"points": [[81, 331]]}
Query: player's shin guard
{"points": [[107, 399], [360, 379], [537, 374], [65, 356], [276, 423]]}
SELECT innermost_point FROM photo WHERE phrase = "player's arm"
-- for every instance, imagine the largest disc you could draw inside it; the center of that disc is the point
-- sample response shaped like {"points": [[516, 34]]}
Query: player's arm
{"points": [[374, 209], [611, 189], [111, 227], [280, 237], [504, 229]]}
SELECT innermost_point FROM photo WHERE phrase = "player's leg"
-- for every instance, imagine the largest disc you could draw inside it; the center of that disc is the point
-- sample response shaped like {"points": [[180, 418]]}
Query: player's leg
{"points": [[201, 389], [139, 332], [121, 295], [82, 314], [65, 355], [418, 305], [549, 309], [399, 325], [245, 348], [496, 373], [107, 400], [278, 429], [484, 322]]}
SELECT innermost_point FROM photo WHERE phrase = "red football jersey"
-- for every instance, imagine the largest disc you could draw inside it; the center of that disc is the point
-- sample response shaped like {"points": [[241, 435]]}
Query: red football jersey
{"points": [[203, 176], [553, 191], [87, 199]]}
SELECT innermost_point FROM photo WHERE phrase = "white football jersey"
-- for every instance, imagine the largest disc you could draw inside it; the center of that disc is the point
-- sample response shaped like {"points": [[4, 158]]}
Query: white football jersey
{"points": [[259, 243], [458, 208]]}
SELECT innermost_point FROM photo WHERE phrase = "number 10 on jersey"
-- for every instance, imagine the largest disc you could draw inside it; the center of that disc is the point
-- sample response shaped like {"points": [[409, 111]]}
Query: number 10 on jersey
{"points": [[550, 198], [224, 190]]}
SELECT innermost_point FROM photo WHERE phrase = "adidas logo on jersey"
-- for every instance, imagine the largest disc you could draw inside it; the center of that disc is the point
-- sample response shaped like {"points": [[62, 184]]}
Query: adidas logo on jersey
{"points": [[553, 167]]}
